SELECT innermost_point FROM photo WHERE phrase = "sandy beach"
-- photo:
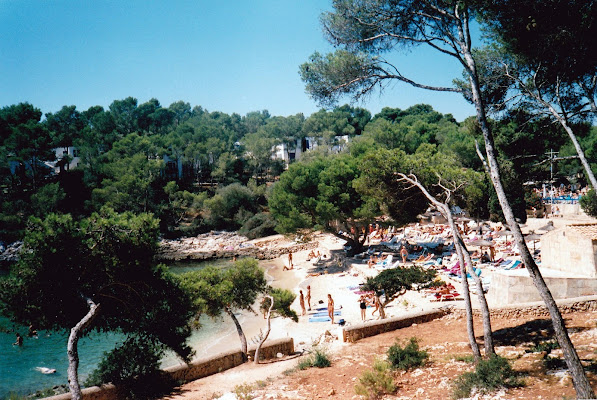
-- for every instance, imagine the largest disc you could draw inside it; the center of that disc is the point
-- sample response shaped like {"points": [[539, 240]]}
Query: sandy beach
{"points": [[338, 279]]}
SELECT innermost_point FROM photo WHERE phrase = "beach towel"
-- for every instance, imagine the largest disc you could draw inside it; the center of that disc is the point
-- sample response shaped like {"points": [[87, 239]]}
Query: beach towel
{"points": [[324, 313], [319, 319]]}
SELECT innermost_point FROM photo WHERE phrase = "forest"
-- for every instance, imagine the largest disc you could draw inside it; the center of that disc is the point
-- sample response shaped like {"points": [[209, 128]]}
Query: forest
{"points": [[197, 170]]}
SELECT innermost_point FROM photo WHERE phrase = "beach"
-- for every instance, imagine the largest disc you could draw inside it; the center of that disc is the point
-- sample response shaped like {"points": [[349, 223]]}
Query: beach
{"points": [[341, 280]]}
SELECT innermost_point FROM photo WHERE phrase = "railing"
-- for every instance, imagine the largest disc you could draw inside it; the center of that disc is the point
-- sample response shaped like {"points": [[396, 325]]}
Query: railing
{"points": [[560, 200]]}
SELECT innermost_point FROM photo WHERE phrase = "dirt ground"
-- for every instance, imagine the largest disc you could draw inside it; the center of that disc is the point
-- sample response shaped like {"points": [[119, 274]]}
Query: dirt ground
{"points": [[446, 342]]}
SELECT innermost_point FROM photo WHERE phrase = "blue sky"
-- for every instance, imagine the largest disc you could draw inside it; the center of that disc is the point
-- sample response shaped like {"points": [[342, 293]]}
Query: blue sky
{"points": [[230, 56]]}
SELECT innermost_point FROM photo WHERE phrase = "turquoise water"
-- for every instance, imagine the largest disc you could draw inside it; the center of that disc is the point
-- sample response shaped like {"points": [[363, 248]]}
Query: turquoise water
{"points": [[18, 364]]}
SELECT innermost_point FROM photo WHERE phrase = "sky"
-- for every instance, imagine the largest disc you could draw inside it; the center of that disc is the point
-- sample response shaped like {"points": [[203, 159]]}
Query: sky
{"points": [[233, 56]]}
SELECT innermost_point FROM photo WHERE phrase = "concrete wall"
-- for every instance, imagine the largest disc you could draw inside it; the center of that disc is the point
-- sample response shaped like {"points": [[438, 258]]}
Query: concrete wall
{"points": [[516, 287], [366, 329], [569, 251], [196, 370]]}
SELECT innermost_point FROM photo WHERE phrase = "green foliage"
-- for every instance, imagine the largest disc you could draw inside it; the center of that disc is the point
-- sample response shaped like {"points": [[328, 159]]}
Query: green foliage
{"points": [[392, 283], [282, 300], [244, 392], [547, 346], [320, 193], [407, 357], [231, 207], [214, 289], [259, 225], [108, 258], [134, 367], [377, 382], [588, 203], [47, 199], [318, 359], [489, 375]]}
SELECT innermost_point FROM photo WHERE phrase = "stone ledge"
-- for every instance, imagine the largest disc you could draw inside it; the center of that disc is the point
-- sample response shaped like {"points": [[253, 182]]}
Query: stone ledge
{"points": [[366, 329], [195, 370]]}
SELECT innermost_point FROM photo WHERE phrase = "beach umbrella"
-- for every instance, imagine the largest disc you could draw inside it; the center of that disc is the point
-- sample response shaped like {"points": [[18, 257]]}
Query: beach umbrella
{"points": [[532, 237], [480, 243], [503, 233]]}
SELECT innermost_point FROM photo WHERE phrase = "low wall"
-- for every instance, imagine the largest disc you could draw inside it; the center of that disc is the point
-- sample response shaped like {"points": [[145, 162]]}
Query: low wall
{"points": [[195, 370], [366, 329], [537, 309]]}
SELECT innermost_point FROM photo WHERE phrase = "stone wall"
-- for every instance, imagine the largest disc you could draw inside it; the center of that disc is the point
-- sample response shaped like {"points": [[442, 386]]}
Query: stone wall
{"points": [[516, 287], [366, 329], [196, 370], [537, 309], [569, 251]]}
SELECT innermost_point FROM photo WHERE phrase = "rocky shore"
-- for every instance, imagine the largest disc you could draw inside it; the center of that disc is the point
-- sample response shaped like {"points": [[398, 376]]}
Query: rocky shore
{"points": [[215, 245]]}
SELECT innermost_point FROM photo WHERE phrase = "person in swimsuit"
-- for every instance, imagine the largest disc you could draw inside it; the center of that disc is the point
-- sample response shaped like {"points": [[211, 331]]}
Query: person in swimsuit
{"points": [[363, 306], [331, 307]]}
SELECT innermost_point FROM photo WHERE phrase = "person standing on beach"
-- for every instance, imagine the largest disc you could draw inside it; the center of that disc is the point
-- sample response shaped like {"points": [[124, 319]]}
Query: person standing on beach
{"points": [[302, 301], [290, 265], [331, 307], [309, 297], [363, 306], [403, 254]]}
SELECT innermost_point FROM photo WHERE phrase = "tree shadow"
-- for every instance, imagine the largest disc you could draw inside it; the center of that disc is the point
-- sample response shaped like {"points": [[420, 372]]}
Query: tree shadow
{"points": [[336, 263], [535, 331]]}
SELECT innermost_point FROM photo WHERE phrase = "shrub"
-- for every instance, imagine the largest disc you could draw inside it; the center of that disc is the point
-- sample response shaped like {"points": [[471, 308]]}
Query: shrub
{"points": [[408, 357], [544, 346], [135, 368], [488, 376], [319, 359], [376, 382], [588, 203], [244, 392], [259, 225]]}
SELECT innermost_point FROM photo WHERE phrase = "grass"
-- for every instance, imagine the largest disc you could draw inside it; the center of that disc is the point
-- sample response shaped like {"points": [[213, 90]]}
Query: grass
{"points": [[467, 358]]}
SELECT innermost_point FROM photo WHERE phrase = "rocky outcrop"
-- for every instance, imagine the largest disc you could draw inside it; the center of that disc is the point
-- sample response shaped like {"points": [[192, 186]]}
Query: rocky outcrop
{"points": [[227, 245], [9, 254], [206, 246]]}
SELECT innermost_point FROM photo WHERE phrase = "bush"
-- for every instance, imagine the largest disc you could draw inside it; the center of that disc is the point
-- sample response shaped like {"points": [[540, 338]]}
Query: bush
{"points": [[544, 346], [135, 368], [319, 359], [259, 225], [588, 203], [376, 382], [408, 357], [244, 392], [488, 376]]}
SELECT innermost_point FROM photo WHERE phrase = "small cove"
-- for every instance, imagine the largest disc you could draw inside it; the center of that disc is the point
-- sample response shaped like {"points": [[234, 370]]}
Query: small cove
{"points": [[18, 364]]}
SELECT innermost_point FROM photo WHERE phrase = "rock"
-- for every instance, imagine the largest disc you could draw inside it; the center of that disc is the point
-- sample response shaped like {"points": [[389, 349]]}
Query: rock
{"points": [[227, 245], [332, 392]]}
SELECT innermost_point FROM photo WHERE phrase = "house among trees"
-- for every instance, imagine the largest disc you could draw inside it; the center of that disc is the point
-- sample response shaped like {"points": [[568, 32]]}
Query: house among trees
{"points": [[67, 158], [293, 150]]}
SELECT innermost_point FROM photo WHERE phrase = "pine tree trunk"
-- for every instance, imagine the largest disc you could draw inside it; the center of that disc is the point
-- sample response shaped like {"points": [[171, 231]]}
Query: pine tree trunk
{"points": [[241, 335], [580, 381], [485, 315], [470, 328], [444, 209], [269, 328], [73, 352]]}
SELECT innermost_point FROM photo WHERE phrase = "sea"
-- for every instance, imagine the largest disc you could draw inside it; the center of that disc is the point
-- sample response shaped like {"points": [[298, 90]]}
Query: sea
{"points": [[19, 373]]}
